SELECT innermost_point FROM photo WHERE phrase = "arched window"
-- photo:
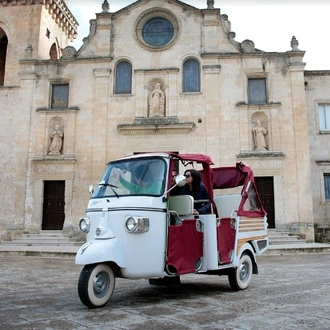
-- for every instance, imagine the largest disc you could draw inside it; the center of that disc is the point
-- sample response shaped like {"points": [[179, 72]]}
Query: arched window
{"points": [[53, 52], [3, 54], [191, 76], [123, 83]]}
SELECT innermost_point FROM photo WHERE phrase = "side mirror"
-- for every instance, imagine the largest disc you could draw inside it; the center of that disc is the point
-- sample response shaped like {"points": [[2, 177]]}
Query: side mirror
{"points": [[180, 180], [91, 189]]}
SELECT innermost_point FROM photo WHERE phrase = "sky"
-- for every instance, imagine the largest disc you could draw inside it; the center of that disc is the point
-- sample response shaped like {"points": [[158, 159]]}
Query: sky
{"points": [[270, 24]]}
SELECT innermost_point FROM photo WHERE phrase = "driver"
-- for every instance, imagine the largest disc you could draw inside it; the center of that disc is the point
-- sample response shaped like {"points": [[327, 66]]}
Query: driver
{"points": [[195, 188], [144, 181]]}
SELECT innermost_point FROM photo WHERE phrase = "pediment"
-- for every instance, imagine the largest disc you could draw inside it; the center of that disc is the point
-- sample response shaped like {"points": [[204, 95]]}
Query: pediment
{"points": [[141, 3], [128, 22]]}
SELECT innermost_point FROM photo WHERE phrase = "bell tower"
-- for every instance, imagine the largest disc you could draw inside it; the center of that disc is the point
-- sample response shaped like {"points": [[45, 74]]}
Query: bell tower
{"points": [[32, 29]]}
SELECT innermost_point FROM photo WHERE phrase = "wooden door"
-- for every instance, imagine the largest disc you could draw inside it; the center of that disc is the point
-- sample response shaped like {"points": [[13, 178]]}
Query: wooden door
{"points": [[53, 209], [265, 186]]}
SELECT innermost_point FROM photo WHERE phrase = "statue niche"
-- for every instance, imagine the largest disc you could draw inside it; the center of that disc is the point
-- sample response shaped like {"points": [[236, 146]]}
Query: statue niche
{"points": [[56, 140], [157, 102], [259, 133]]}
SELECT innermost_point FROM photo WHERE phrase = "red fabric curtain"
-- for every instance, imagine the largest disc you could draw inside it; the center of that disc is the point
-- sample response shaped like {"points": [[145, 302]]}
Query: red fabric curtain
{"points": [[185, 246], [226, 240]]}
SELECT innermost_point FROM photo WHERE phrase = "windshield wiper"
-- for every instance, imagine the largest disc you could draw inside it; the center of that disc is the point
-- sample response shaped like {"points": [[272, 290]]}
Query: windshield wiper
{"points": [[105, 184]]}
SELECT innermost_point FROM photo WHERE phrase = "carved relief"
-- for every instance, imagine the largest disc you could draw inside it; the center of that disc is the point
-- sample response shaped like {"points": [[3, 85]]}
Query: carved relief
{"points": [[248, 46], [69, 52]]}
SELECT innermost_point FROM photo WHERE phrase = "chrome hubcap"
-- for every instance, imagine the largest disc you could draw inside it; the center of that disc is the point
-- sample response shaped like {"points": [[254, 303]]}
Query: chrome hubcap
{"points": [[244, 272], [101, 284]]}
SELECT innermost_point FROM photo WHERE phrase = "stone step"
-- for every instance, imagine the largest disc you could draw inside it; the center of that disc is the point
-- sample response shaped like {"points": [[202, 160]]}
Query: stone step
{"points": [[277, 232], [286, 241], [280, 238], [44, 238], [39, 243]]}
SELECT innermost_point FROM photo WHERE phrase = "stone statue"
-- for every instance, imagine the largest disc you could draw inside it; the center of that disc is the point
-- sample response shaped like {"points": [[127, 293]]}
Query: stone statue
{"points": [[259, 133], [294, 44], [105, 6], [56, 141], [157, 102], [210, 4]]}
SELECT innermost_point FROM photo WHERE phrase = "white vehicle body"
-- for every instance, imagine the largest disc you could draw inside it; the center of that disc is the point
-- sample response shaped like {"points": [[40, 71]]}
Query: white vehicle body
{"points": [[134, 232]]}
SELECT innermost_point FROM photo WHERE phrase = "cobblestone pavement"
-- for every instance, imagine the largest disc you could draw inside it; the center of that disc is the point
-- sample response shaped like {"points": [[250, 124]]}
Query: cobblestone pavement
{"points": [[290, 292]]}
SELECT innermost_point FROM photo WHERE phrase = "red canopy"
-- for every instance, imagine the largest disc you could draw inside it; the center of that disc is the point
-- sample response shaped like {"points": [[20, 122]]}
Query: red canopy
{"points": [[206, 161], [198, 158], [228, 177]]}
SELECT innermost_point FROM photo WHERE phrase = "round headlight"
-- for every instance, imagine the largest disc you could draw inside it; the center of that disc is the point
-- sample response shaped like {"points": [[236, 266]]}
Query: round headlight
{"points": [[84, 225], [131, 224]]}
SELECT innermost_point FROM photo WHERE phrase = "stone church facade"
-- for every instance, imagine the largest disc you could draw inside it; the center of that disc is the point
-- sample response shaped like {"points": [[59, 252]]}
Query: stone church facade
{"points": [[154, 76]]}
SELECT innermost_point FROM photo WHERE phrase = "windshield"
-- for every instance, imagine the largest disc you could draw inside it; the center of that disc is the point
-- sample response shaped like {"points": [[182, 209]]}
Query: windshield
{"points": [[138, 176]]}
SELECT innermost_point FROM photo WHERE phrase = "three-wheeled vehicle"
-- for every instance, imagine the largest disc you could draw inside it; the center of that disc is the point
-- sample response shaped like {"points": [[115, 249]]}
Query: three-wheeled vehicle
{"points": [[135, 229]]}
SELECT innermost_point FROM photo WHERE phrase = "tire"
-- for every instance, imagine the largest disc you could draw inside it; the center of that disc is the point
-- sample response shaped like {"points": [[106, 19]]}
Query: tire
{"points": [[96, 285], [240, 277]]}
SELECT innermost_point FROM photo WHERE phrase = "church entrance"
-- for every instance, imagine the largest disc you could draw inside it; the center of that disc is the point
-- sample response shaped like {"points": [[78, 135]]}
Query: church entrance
{"points": [[265, 186], [53, 208]]}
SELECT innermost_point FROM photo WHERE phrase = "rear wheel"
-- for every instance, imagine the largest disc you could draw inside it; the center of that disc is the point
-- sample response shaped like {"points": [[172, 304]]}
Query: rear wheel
{"points": [[96, 284], [240, 277]]}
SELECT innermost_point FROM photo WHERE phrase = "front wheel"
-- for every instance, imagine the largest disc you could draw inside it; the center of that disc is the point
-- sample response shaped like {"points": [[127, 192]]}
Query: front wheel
{"points": [[96, 284], [240, 277]]}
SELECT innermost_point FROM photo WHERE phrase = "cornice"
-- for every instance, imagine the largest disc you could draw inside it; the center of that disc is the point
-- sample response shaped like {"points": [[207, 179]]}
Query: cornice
{"points": [[323, 162], [57, 9], [63, 17], [46, 160], [245, 106], [261, 154], [308, 73], [156, 125], [5, 3]]}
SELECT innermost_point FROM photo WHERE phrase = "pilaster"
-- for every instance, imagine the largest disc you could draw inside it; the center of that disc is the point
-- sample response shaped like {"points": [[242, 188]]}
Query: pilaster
{"points": [[211, 24], [100, 119], [103, 30], [212, 109], [301, 142]]}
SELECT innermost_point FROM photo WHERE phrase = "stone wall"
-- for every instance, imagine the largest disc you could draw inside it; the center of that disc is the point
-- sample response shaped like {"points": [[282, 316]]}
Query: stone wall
{"points": [[317, 92], [99, 125]]}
